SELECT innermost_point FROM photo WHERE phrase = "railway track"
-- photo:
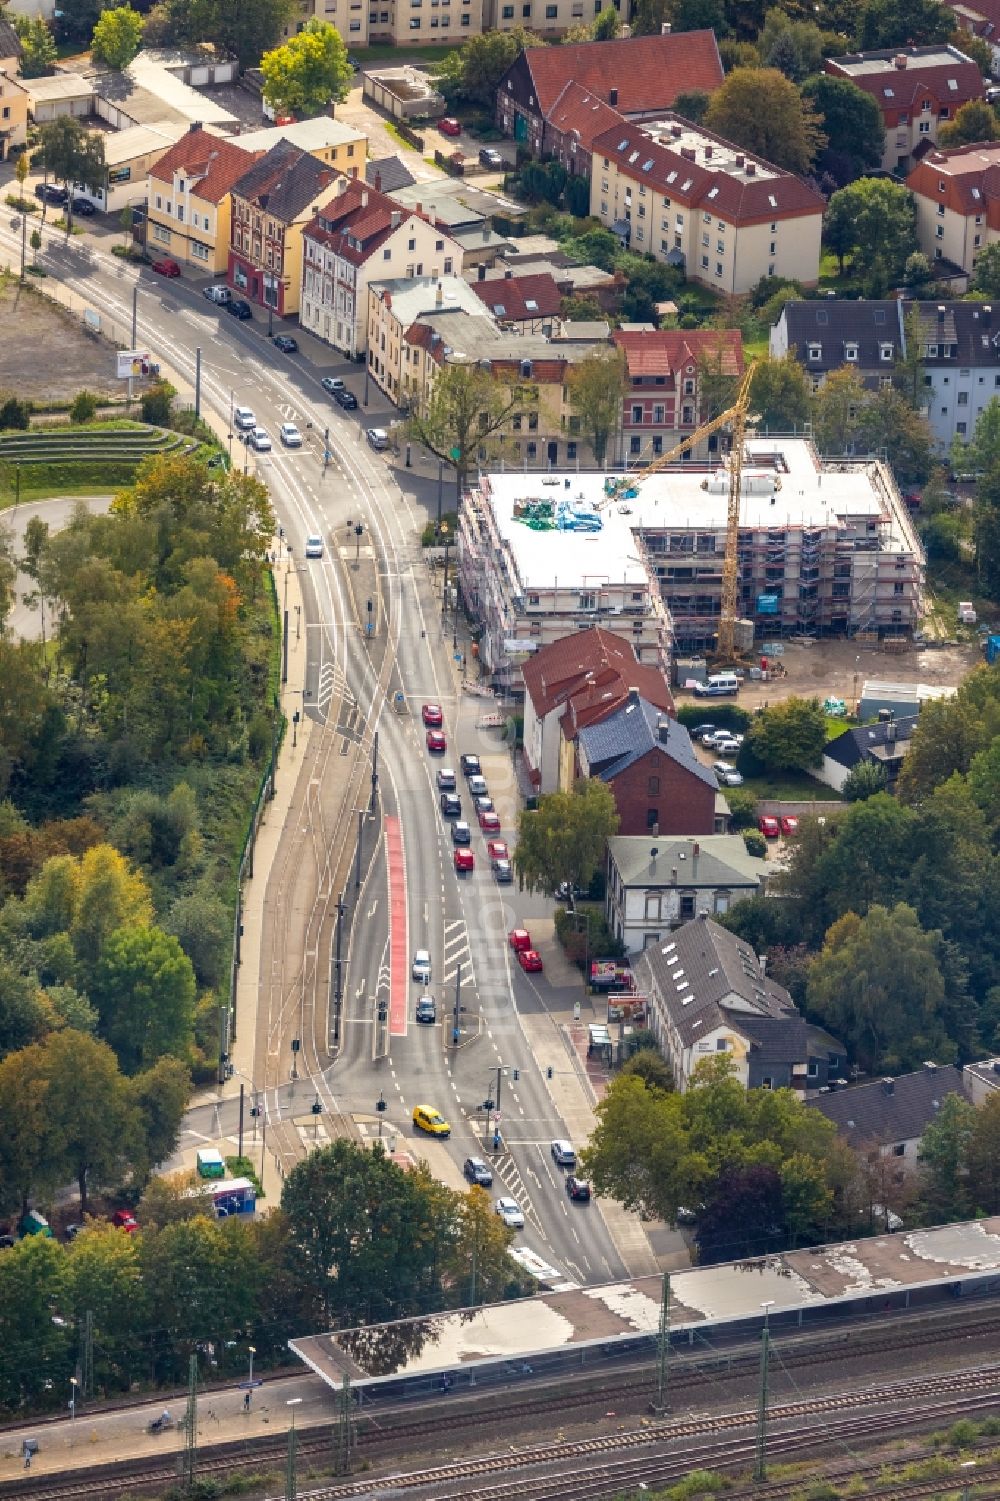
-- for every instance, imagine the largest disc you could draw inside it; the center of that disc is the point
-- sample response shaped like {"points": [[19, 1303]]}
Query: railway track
{"points": [[820, 1420]]}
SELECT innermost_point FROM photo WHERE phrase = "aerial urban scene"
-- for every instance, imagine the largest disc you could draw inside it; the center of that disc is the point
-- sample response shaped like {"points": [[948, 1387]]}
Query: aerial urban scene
{"points": [[500, 749]]}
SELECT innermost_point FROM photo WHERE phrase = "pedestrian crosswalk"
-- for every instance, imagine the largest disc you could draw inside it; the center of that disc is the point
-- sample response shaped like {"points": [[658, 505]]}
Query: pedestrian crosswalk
{"points": [[457, 955]]}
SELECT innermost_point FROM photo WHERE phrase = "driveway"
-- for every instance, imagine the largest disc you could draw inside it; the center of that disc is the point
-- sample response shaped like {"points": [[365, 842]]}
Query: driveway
{"points": [[382, 142]]}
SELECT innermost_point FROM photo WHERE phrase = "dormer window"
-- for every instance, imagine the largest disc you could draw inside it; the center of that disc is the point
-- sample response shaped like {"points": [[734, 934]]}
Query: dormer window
{"points": [[850, 352], [885, 351], [815, 351]]}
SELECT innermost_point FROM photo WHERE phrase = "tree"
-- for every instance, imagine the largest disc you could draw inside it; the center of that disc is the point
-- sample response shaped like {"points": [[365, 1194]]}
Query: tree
{"points": [[986, 275], [117, 37], [651, 1067], [144, 990], [944, 1190], [246, 30], [105, 1285], [469, 412], [564, 838], [780, 394], [977, 48], [949, 733], [161, 1095], [981, 454], [796, 47], [743, 1215], [478, 1262], [692, 105], [863, 781], [306, 72], [974, 121], [789, 736], [878, 985], [39, 1350], [606, 25], [837, 408], [597, 388], [852, 124], [639, 1153], [72, 155], [764, 112], [27, 1163], [474, 72], [94, 1126], [84, 407], [885, 24], [35, 241], [38, 49], [874, 220], [982, 1156], [888, 420]]}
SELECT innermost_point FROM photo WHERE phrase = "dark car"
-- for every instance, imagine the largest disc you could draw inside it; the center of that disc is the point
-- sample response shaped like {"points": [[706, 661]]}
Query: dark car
{"points": [[286, 344], [240, 308], [461, 833], [84, 207], [578, 1188], [488, 157], [347, 400], [426, 1009], [470, 766], [50, 192], [477, 1171], [451, 805]]}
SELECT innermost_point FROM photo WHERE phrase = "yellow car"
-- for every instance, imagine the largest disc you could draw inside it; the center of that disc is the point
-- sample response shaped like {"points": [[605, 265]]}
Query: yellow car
{"points": [[426, 1118]]}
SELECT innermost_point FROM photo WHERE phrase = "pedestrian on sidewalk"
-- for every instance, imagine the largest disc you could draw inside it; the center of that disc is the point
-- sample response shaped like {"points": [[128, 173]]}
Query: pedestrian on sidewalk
{"points": [[246, 1401]]}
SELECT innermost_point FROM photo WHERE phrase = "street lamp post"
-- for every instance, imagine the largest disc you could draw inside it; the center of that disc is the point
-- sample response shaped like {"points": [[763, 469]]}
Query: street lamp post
{"points": [[760, 1460], [444, 531], [380, 1108], [73, 1384], [290, 1487]]}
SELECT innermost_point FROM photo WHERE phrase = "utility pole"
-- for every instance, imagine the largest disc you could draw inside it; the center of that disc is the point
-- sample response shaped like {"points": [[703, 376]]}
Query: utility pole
{"points": [[189, 1453], [87, 1360], [663, 1348], [342, 1458], [456, 1025], [197, 382], [357, 863], [371, 805], [760, 1459], [290, 1485], [240, 1147], [337, 970]]}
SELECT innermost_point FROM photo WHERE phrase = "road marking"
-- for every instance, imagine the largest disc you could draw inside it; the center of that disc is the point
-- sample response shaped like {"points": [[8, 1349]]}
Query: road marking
{"points": [[398, 934]]}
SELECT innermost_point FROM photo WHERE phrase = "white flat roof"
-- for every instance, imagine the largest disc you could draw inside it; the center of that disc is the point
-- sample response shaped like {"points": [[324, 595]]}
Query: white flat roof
{"points": [[308, 135], [565, 559], [138, 140], [59, 86]]}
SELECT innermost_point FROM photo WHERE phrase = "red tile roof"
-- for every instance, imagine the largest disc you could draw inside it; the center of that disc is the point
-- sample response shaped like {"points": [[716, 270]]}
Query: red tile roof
{"points": [[358, 221], [581, 113], [648, 72], [666, 350], [971, 178], [910, 75], [590, 663], [980, 16], [519, 299], [742, 197], [214, 163]]}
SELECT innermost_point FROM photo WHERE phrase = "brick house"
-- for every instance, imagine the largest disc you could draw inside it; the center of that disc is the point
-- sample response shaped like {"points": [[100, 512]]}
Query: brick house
{"points": [[666, 399], [917, 89], [648, 761], [272, 203], [636, 77]]}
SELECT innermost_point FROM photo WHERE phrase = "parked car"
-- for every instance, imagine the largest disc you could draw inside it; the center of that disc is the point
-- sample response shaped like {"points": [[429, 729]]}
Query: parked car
{"points": [[477, 1171], [218, 292], [530, 961], [563, 1154], [124, 1219], [84, 208], [769, 826], [451, 805], [519, 939], [314, 546], [450, 126], [509, 1211], [446, 779], [240, 308], [488, 157], [432, 716], [489, 823], [465, 861], [346, 399], [426, 1009], [426, 1118], [437, 743], [286, 344], [789, 825], [497, 849], [290, 435], [166, 267], [477, 786], [420, 969], [331, 385], [461, 833], [578, 1189], [728, 745], [726, 774], [378, 438], [51, 192]]}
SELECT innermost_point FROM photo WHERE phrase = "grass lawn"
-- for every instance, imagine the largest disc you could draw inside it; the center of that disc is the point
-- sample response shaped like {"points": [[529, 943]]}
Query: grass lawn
{"points": [[790, 786], [831, 280], [400, 54], [46, 491]]}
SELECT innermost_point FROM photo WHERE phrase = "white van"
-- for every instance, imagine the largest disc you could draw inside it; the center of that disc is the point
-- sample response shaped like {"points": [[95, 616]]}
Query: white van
{"points": [[719, 685], [244, 419]]}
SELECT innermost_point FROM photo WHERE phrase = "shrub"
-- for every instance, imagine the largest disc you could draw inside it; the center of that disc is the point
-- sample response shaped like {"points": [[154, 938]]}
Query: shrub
{"points": [[15, 413], [709, 711], [742, 806], [755, 842], [573, 934], [157, 404], [84, 407]]}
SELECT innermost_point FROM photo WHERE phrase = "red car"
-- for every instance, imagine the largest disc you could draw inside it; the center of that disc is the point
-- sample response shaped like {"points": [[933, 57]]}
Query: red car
{"points": [[433, 716], [436, 743], [769, 826], [497, 849], [789, 825], [520, 940], [125, 1220], [449, 126], [489, 823], [464, 861], [530, 961], [166, 268]]}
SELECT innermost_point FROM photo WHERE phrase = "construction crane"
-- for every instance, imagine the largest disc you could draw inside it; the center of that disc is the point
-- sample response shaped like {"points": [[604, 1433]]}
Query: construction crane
{"points": [[737, 417]]}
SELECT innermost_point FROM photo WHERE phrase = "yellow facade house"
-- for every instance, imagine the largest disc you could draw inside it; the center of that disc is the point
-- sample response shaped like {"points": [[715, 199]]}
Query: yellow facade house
{"points": [[190, 200]]}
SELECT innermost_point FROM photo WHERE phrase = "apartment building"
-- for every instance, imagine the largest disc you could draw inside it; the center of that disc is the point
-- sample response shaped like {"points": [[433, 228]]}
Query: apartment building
{"points": [[957, 194], [272, 204], [14, 97], [677, 192], [189, 199], [394, 305], [402, 23], [917, 90], [868, 334], [670, 375], [332, 142], [357, 234], [539, 95], [960, 354]]}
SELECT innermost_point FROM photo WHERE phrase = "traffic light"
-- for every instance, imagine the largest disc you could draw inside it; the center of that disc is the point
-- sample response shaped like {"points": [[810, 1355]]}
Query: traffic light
{"points": [[517, 1075], [317, 1108], [548, 1072]]}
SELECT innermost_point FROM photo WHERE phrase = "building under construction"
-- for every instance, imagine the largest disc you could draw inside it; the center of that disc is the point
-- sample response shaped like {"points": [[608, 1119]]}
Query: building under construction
{"points": [[824, 549]]}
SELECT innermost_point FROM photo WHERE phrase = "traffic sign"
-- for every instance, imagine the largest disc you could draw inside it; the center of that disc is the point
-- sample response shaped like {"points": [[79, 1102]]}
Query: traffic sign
{"points": [[456, 454]]}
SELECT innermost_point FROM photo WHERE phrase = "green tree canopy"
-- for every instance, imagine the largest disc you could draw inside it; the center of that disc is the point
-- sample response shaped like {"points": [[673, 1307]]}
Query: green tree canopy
{"points": [[789, 736], [974, 121], [246, 30], [864, 781], [884, 24], [597, 387], [874, 221], [305, 73], [763, 111], [144, 990], [473, 73], [780, 394], [71, 154], [117, 37], [564, 838], [986, 273], [470, 410], [944, 1188], [852, 124], [38, 48]]}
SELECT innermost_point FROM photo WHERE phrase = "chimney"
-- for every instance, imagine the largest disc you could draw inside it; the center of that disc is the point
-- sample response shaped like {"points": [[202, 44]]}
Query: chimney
{"points": [[662, 730], [930, 1067], [696, 851], [673, 875], [439, 295], [665, 28], [888, 1086], [613, 97], [899, 61], [652, 856], [941, 312], [481, 271], [508, 274], [486, 232], [987, 312], [740, 158], [420, 208], [364, 198], [708, 153], [688, 153], [395, 218], [195, 125], [676, 131], [751, 169], [633, 695]]}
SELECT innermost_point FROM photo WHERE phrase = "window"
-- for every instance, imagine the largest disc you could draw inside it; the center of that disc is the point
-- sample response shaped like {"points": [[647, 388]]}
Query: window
{"points": [[720, 246], [687, 905], [924, 127], [634, 445], [658, 415], [652, 819], [654, 787], [718, 268], [653, 905], [551, 11], [963, 398], [637, 414], [161, 233], [159, 201], [466, 19], [815, 351], [899, 1150], [526, 10], [199, 252], [447, 265]]}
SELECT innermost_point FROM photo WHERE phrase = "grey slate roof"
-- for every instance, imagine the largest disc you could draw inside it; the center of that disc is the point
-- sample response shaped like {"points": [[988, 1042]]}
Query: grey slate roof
{"points": [[968, 334], [391, 172], [707, 977], [285, 181], [832, 323], [616, 743], [721, 860], [864, 742], [894, 1110], [10, 42]]}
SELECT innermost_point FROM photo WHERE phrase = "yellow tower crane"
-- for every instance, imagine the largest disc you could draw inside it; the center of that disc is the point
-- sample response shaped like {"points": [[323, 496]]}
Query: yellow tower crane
{"points": [[736, 416]]}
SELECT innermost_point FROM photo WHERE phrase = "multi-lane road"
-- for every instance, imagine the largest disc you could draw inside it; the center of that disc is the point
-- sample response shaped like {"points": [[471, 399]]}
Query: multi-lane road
{"points": [[409, 887]]}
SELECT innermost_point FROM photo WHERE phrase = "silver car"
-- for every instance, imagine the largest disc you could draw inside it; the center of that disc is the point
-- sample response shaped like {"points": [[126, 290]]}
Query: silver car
{"points": [[510, 1212], [421, 967]]}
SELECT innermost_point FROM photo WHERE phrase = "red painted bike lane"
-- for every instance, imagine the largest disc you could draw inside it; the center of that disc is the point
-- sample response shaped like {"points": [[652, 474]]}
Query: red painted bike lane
{"points": [[399, 951]]}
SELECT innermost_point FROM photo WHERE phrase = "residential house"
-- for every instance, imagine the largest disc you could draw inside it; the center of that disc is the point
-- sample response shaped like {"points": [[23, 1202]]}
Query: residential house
{"points": [[188, 199], [605, 287], [868, 334], [957, 194], [889, 1116], [669, 371], [885, 742], [526, 304], [708, 993], [574, 682], [648, 762], [387, 174], [332, 142], [677, 192], [960, 354], [395, 304], [637, 77], [653, 887], [917, 89], [357, 234], [272, 203], [577, 117], [130, 155], [14, 94], [980, 18], [980, 1081]]}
